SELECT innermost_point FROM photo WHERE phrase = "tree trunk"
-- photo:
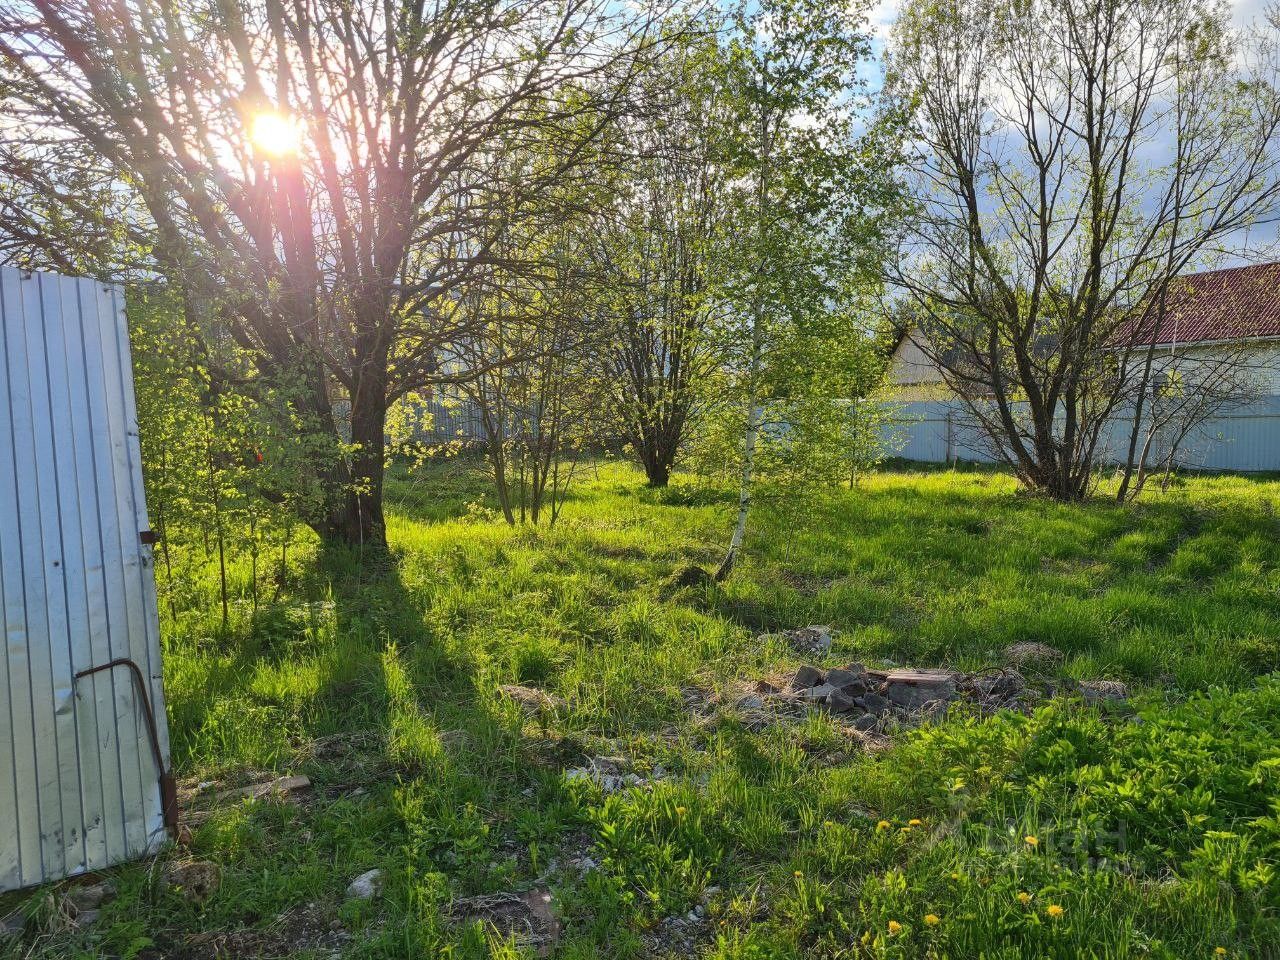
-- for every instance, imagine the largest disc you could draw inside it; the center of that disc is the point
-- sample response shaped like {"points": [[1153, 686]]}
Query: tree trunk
{"points": [[356, 516], [1135, 431], [744, 491], [657, 468], [755, 414]]}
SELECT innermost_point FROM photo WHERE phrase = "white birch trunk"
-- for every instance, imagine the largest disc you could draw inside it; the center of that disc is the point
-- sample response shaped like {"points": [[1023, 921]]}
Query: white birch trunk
{"points": [[754, 415], [754, 410]]}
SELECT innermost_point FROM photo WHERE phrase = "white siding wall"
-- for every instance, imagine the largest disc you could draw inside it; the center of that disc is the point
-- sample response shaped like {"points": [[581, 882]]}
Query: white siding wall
{"points": [[910, 366], [1259, 362]]}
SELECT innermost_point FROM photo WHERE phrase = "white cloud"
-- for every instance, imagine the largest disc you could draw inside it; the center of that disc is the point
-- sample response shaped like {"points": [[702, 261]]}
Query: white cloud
{"points": [[882, 15]]}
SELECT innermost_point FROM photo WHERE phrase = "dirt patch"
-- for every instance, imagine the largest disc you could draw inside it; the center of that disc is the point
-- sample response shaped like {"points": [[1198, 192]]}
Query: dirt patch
{"points": [[196, 880], [612, 774], [809, 584], [310, 927], [1033, 656], [811, 640], [197, 802], [687, 578], [528, 917], [532, 701], [873, 701], [679, 936]]}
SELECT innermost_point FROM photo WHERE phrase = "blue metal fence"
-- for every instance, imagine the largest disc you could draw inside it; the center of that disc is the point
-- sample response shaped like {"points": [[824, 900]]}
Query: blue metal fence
{"points": [[1246, 438]]}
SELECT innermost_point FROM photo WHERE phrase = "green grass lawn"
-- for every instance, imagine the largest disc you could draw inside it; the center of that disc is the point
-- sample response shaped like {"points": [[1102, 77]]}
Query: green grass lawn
{"points": [[1068, 833]]}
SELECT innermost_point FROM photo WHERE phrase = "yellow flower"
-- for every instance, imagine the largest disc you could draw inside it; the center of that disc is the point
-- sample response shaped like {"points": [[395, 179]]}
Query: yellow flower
{"points": [[955, 876], [904, 829], [1032, 841], [884, 825], [932, 919], [799, 874], [681, 811], [895, 927], [915, 823], [1219, 951], [1054, 911], [1024, 898]]}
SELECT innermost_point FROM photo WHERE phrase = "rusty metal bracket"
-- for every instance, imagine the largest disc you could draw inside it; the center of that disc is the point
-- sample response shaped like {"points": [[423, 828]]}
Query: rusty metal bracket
{"points": [[168, 786]]}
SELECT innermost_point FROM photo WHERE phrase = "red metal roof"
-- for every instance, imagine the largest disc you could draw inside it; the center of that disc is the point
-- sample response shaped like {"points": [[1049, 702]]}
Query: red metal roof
{"points": [[1241, 303]]}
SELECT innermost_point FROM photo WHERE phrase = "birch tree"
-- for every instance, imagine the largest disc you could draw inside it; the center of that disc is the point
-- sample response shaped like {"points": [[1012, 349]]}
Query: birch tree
{"points": [[812, 194]]}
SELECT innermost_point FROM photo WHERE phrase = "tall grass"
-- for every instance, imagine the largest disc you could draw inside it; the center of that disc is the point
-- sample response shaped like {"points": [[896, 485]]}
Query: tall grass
{"points": [[379, 678]]}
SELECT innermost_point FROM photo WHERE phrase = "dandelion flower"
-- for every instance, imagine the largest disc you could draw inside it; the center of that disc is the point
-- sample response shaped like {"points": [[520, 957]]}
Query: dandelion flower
{"points": [[681, 811], [932, 919], [1219, 951], [1032, 841], [895, 927], [1054, 911], [1024, 898], [955, 876], [904, 830], [884, 825], [915, 823], [799, 874]]}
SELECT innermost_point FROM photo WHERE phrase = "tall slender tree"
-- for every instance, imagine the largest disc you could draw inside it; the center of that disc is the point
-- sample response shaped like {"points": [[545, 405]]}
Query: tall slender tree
{"points": [[812, 195]]}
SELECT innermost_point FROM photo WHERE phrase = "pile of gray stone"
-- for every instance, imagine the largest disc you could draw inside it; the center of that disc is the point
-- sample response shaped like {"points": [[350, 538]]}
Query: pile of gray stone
{"points": [[870, 697], [878, 699]]}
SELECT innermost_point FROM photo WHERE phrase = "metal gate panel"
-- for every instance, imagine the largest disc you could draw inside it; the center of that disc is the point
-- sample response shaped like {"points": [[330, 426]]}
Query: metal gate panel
{"points": [[79, 783]]}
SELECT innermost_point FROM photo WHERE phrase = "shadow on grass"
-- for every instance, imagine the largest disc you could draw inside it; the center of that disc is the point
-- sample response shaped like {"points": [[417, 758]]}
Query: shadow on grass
{"points": [[417, 768], [949, 571]]}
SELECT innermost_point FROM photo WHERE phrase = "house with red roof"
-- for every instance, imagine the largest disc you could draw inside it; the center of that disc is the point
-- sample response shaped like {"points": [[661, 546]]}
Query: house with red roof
{"points": [[1222, 316], [1209, 318], [1217, 334]]}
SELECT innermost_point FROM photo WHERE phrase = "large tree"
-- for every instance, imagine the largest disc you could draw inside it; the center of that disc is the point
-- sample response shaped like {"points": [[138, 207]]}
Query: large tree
{"points": [[1075, 157], [659, 246], [313, 175]]}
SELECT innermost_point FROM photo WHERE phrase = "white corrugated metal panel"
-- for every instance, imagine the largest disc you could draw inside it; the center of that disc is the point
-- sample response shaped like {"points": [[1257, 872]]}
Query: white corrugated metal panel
{"points": [[79, 771], [1244, 438]]}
